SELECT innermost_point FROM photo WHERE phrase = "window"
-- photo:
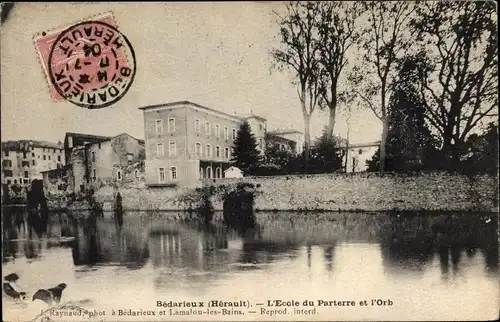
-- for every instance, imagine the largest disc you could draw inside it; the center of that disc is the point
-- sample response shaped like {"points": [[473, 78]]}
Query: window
{"points": [[26, 174], [21, 180], [198, 149], [207, 128], [234, 134], [226, 133], [171, 125], [209, 173], [93, 156], [208, 151], [99, 146], [8, 181], [49, 157], [173, 173], [217, 131], [159, 150], [260, 126], [15, 181], [93, 174], [217, 151], [172, 149], [32, 148], [159, 127], [136, 173], [197, 126], [44, 157], [226, 153], [25, 164], [119, 175], [6, 153], [43, 149], [7, 173], [59, 158], [33, 162], [218, 173], [161, 175], [24, 155], [33, 155]]}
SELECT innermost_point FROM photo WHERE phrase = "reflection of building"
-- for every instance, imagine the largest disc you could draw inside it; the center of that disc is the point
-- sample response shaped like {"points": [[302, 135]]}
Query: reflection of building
{"points": [[99, 159], [24, 160]]}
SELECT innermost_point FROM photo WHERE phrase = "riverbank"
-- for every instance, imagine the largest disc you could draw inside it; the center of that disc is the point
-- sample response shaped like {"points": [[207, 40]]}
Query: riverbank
{"points": [[356, 192]]}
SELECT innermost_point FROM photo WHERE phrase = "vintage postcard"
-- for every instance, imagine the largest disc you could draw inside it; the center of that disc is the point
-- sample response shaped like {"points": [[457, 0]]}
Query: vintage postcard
{"points": [[250, 161]]}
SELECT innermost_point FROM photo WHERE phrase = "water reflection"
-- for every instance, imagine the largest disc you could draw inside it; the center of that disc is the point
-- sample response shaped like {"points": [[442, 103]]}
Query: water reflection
{"points": [[412, 242], [188, 254]]}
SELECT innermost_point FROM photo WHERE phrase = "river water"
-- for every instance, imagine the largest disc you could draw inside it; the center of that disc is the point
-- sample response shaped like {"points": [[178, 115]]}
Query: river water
{"points": [[419, 267]]}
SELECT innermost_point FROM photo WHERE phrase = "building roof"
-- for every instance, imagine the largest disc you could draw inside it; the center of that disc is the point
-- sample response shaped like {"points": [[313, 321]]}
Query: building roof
{"points": [[365, 145], [87, 137], [232, 168], [246, 117], [112, 137], [278, 132], [20, 145], [188, 103]]}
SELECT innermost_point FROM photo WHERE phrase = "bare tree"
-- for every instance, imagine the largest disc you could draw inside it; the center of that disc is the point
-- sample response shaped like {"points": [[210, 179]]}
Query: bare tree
{"points": [[460, 78], [382, 41], [337, 34], [299, 53]]}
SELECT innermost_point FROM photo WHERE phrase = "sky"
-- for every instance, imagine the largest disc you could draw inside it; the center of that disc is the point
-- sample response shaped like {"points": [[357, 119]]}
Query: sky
{"points": [[213, 54]]}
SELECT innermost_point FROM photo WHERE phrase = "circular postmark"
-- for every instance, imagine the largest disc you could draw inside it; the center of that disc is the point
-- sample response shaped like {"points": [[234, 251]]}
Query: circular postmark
{"points": [[89, 64]]}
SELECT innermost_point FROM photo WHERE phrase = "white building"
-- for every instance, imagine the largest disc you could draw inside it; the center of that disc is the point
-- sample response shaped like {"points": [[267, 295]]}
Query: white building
{"points": [[233, 172]]}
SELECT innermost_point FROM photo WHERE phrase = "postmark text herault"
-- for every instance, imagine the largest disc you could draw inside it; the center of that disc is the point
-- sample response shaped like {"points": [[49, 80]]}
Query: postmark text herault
{"points": [[90, 64]]}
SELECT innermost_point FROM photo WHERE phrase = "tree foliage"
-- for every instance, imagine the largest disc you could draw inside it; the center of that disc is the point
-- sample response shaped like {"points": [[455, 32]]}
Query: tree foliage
{"points": [[337, 34], [481, 152], [298, 52], [459, 81], [410, 143], [326, 154], [383, 41], [245, 153]]}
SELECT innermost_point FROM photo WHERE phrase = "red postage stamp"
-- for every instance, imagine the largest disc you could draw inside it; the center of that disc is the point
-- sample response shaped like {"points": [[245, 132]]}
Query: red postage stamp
{"points": [[91, 64]]}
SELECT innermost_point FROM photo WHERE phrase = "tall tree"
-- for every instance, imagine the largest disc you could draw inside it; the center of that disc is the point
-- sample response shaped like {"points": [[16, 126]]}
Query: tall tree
{"points": [[460, 80], [410, 143], [298, 52], [245, 153], [383, 40], [337, 34]]}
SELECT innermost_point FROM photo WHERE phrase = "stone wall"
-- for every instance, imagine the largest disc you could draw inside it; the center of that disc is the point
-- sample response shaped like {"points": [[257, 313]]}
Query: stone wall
{"points": [[142, 198], [372, 192], [328, 192]]}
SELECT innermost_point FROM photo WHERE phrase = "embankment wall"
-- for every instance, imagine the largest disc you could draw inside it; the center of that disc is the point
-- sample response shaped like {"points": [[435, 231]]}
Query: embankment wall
{"points": [[332, 192]]}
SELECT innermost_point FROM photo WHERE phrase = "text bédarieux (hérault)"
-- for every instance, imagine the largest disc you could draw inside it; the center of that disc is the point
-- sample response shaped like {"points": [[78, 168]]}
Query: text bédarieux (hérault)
{"points": [[267, 307]]}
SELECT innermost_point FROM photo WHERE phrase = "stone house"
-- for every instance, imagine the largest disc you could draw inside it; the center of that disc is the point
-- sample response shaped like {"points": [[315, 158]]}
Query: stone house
{"points": [[97, 160], [24, 160]]}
